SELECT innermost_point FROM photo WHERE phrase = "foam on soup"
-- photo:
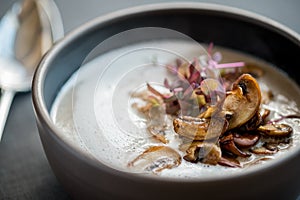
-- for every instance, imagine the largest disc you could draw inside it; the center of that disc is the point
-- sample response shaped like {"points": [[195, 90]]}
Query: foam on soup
{"points": [[94, 112]]}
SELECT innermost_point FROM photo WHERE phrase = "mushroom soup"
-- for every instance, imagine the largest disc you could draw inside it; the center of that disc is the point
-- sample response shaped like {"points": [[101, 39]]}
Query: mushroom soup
{"points": [[153, 108]]}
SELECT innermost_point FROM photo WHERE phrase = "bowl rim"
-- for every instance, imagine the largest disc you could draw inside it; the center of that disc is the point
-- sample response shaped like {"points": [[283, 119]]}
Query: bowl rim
{"points": [[43, 116]]}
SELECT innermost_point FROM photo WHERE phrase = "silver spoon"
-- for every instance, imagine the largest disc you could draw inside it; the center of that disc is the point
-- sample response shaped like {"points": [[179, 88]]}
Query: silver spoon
{"points": [[27, 32]]}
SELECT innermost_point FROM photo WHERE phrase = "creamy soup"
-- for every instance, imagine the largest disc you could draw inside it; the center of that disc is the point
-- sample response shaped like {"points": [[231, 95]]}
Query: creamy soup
{"points": [[95, 114]]}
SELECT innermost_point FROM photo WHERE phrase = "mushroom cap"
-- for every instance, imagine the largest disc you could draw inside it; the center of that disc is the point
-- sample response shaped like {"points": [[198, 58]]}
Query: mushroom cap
{"points": [[155, 159], [243, 101]]}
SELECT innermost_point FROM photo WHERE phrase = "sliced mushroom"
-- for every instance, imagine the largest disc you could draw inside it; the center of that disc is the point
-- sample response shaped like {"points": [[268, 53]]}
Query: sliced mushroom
{"points": [[245, 140], [155, 159], [229, 162], [263, 150], [243, 101], [207, 153], [198, 128], [227, 144], [158, 133], [275, 130], [190, 127]]}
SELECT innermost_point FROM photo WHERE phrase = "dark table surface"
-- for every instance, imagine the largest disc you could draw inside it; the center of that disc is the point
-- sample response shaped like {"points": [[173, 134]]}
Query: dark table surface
{"points": [[24, 169]]}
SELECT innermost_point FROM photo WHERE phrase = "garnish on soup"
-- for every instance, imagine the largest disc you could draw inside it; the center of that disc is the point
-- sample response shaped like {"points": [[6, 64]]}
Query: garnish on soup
{"points": [[216, 110]]}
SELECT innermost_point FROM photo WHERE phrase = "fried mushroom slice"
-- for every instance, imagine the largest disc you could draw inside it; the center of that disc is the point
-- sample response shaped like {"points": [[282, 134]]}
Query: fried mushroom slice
{"points": [[229, 162], [246, 140], [263, 150], [158, 133], [204, 152], [275, 130], [198, 128], [155, 159], [243, 101], [227, 144]]}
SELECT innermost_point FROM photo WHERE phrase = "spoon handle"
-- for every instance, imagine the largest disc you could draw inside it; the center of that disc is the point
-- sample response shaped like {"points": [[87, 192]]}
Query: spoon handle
{"points": [[5, 102]]}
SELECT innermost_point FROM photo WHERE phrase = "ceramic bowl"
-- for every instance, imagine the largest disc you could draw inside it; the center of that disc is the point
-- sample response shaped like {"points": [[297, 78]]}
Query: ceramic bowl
{"points": [[85, 178]]}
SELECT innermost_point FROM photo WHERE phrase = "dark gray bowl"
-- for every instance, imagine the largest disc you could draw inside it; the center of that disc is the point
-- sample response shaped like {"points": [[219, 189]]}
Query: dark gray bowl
{"points": [[84, 178]]}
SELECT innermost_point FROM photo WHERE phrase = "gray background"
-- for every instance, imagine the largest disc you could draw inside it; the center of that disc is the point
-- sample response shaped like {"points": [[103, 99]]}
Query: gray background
{"points": [[24, 170]]}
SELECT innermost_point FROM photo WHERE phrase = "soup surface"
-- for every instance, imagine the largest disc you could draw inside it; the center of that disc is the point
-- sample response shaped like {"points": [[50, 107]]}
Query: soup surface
{"points": [[95, 111]]}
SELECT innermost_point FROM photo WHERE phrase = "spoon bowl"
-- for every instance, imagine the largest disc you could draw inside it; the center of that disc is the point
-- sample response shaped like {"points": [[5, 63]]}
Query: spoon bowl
{"points": [[27, 32]]}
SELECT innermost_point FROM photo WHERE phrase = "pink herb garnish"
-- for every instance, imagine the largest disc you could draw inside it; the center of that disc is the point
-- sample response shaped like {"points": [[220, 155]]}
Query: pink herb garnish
{"points": [[190, 79], [230, 65], [214, 59]]}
